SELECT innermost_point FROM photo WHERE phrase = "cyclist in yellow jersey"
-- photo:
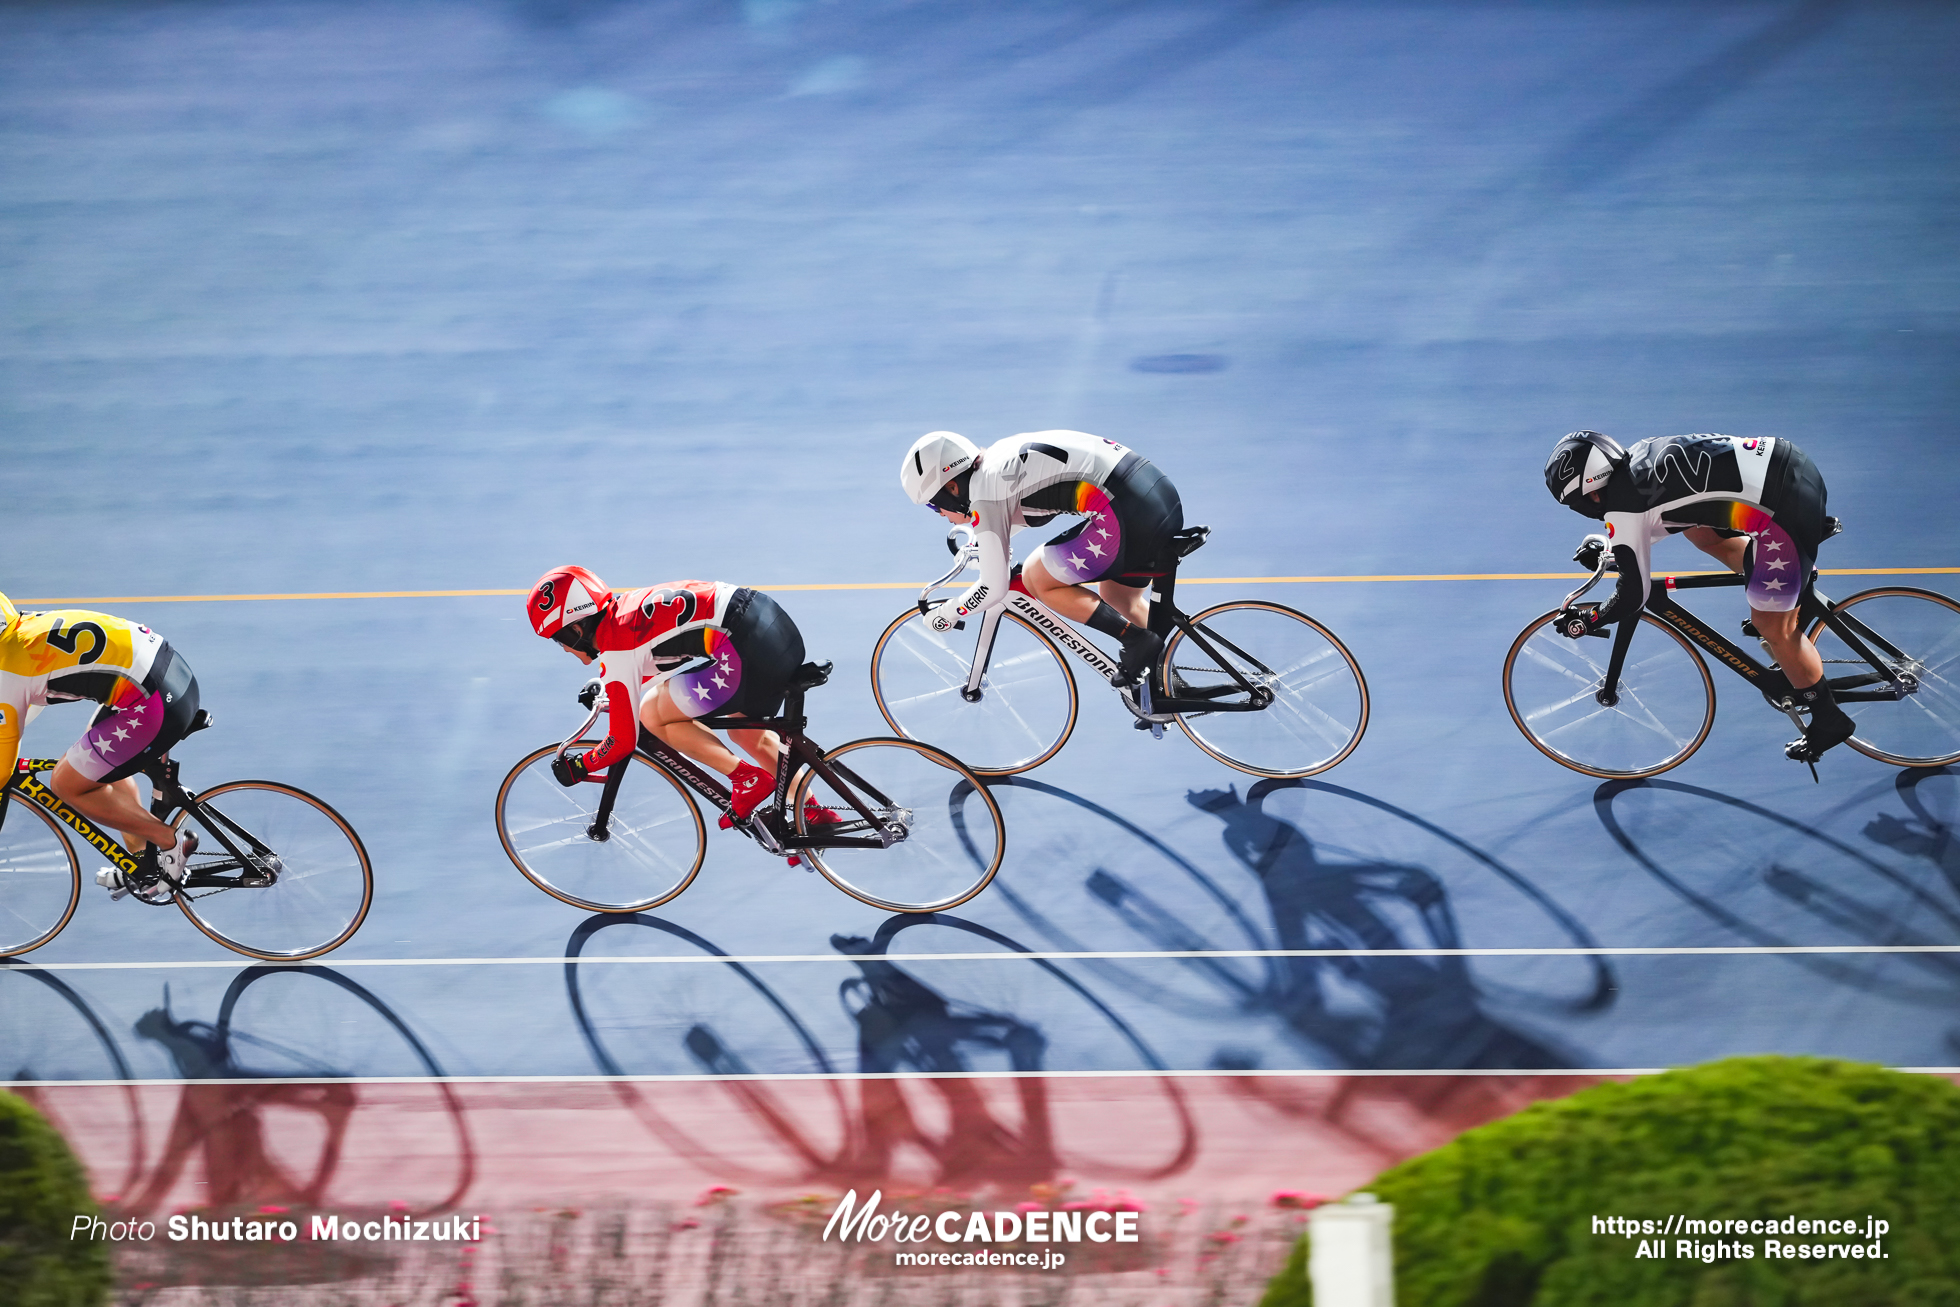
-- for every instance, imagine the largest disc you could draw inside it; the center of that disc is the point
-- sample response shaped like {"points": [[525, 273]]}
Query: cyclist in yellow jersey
{"points": [[148, 700]]}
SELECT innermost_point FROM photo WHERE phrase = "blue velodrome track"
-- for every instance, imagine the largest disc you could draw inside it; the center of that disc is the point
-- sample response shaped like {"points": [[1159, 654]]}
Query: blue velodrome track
{"points": [[326, 300]]}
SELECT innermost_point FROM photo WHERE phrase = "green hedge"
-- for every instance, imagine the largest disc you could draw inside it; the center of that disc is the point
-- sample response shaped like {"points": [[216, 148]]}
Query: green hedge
{"points": [[1502, 1215], [42, 1190]]}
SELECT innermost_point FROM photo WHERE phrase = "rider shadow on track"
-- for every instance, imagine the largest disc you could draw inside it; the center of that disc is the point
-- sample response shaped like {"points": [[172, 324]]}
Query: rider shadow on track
{"points": [[1010, 1014], [1924, 834], [1372, 1012], [906, 1025], [281, 1140], [224, 1124]]}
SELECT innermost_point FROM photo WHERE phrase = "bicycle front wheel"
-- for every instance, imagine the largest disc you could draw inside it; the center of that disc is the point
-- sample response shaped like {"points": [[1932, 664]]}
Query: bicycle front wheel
{"points": [[946, 832], [1027, 702], [1318, 704], [320, 884], [1665, 710], [40, 880], [1916, 635], [651, 849]]}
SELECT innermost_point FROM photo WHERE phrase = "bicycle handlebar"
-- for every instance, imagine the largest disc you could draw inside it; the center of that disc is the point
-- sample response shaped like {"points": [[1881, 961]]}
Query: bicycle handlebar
{"points": [[599, 705], [1605, 565], [965, 555]]}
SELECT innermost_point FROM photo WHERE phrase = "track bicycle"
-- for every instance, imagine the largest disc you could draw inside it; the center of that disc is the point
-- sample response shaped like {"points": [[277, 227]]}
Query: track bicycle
{"points": [[1259, 686], [896, 824], [277, 874], [1594, 706]]}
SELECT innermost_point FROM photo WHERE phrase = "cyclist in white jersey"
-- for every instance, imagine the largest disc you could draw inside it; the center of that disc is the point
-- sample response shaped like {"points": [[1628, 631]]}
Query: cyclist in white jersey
{"points": [[1129, 509]]}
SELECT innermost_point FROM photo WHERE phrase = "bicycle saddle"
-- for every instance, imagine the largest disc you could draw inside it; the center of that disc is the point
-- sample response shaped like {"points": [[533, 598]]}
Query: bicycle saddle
{"points": [[810, 675], [1188, 541]]}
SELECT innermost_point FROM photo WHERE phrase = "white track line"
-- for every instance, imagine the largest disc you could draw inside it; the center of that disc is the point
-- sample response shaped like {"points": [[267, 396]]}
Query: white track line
{"points": [[764, 959], [883, 1075]]}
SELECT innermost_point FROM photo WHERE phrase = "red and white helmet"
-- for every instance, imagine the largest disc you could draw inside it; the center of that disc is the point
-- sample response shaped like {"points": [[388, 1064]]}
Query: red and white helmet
{"points": [[565, 595]]}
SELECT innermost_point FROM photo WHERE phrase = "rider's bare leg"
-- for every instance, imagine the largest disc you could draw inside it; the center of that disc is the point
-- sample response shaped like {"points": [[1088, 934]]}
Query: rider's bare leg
{"points": [[1076, 602], [1727, 550], [763, 746], [1795, 655], [117, 805], [673, 727]]}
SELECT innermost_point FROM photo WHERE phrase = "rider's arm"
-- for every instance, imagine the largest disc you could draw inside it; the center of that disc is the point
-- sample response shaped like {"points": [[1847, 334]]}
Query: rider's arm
{"points": [[622, 712], [993, 524], [1631, 537]]}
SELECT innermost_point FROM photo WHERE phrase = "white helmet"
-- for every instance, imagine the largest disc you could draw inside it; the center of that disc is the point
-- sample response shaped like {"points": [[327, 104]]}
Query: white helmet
{"points": [[934, 459]]}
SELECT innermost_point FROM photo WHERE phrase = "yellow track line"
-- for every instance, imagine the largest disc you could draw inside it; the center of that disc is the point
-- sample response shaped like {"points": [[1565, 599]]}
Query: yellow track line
{"points": [[913, 585]]}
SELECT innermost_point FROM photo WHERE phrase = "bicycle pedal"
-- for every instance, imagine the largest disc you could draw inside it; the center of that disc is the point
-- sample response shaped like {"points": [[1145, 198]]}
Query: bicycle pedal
{"points": [[1156, 730]]}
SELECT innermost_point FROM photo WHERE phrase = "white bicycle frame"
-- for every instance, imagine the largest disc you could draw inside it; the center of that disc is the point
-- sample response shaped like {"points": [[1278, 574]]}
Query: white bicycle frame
{"points": [[1050, 624]]}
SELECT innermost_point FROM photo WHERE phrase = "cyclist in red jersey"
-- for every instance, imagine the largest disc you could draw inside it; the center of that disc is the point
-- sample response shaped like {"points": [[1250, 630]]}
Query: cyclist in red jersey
{"points": [[668, 655]]}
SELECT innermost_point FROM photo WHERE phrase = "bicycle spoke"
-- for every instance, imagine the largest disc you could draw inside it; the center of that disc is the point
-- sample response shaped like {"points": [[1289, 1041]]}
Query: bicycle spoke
{"points": [[954, 837], [1318, 705], [655, 838], [1023, 714], [1922, 729], [1662, 713], [320, 894]]}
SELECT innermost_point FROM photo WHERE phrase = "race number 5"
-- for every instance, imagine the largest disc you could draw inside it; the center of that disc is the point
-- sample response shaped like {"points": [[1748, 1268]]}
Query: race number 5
{"points": [[67, 640]]}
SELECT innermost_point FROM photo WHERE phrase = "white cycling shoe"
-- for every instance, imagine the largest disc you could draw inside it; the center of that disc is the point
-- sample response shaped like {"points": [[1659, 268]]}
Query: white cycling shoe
{"points": [[170, 862]]}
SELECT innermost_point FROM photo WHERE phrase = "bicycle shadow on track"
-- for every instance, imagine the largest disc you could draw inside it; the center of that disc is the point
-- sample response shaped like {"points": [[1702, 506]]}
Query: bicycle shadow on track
{"points": [[1775, 881], [1366, 885], [48, 1032], [919, 1116], [302, 1033]]}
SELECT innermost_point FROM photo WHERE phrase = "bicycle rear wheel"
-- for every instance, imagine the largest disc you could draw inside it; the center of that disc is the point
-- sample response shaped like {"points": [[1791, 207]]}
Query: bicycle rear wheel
{"points": [[1319, 705], [652, 849], [40, 880], [952, 837], [1665, 710], [1922, 630], [1027, 702], [320, 885]]}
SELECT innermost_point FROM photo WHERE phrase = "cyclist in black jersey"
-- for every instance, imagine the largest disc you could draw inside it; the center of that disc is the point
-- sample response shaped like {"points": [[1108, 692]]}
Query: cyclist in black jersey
{"points": [[1755, 504]]}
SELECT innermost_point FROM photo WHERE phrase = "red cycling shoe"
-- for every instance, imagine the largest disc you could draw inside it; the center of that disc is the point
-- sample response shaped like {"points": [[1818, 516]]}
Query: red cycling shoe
{"points": [[748, 788], [815, 814]]}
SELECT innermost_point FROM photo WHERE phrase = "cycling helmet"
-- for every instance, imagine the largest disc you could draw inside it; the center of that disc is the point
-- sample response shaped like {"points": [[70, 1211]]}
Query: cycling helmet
{"points": [[934, 459], [566, 604], [9, 616], [1581, 463]]}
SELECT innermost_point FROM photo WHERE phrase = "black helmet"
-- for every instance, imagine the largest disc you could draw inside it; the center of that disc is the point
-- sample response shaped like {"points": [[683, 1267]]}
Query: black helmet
{"points": [[1580, 464]]}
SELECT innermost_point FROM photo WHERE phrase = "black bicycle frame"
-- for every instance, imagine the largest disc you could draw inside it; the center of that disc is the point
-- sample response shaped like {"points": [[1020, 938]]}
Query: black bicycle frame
{"points": [[167, 795], [790, 726], [1775, 686], [1165, 617]]}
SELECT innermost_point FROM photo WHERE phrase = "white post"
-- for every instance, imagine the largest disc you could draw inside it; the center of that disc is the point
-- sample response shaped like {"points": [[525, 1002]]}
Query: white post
{"points": [[1349, 1262]]}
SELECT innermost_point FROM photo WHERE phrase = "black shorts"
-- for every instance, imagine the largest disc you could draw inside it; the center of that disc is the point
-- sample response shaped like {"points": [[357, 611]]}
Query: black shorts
{"points": [[771, 649], [121, 742], [1141, 513], [1794, 494]]}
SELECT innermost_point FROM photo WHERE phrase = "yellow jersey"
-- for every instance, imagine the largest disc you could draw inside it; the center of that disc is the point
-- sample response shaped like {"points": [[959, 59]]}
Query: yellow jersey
{"points": [[63, 656]]}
